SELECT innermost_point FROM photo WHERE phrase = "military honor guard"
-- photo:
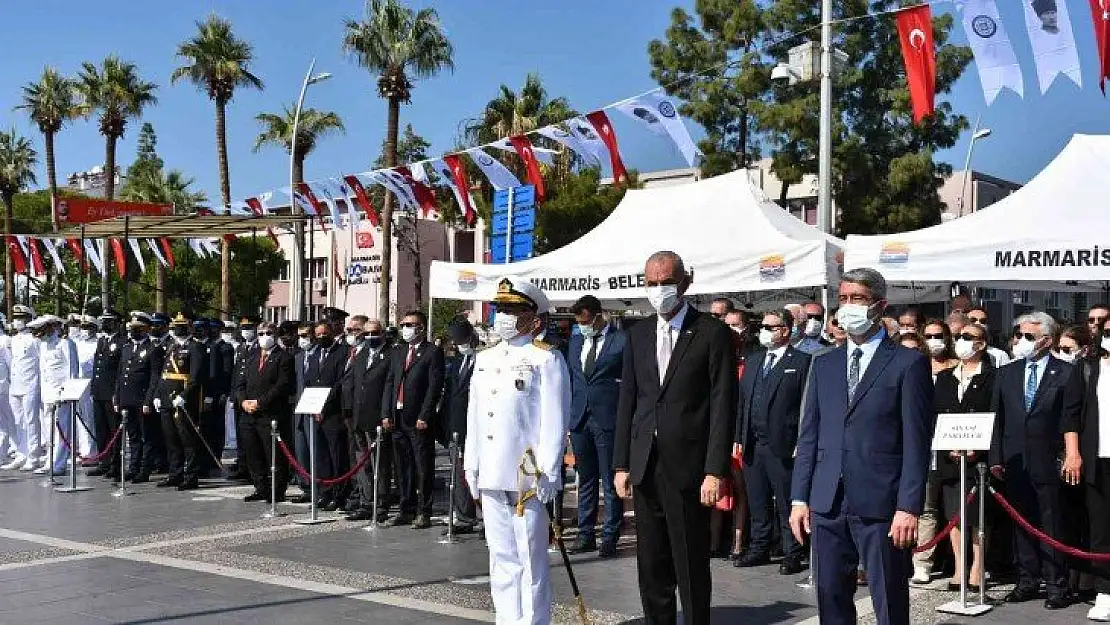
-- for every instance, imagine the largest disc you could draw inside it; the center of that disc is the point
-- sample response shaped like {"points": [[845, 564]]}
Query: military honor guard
{"points": [[516, 428], [86, 343], [23, 394]]}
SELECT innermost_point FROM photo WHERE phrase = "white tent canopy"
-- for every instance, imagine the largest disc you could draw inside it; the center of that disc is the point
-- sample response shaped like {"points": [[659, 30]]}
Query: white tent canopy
{"points": [[732, 238], [1055, 232]]}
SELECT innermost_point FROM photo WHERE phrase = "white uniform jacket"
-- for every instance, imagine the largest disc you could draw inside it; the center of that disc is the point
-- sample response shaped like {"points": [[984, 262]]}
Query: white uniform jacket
{"points": [[519, 399], [25, 364], [58, 364]]}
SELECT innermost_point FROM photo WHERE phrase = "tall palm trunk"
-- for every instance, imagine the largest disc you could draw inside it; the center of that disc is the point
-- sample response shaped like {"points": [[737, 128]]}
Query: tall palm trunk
{"points": [[160, 287], [52, 184], [387, 210], [298, 242], [225, 196], [9, 277], [109, 194]]}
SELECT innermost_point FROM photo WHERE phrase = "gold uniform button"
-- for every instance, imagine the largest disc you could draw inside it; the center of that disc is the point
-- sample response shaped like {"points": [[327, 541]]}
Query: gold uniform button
{"points": [[489, 437], [491, 414]]}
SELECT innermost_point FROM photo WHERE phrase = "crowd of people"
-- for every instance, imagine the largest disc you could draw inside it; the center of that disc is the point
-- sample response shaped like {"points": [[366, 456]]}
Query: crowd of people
{"points": [[757, 437]]}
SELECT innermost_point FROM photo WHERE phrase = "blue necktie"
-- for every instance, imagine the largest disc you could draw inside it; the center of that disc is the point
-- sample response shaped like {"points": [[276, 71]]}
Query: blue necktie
{"points": [[853, 373], [1030, 386], [769, 365]]}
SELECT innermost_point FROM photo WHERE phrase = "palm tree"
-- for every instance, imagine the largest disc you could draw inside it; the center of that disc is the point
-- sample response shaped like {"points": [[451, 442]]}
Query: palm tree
{"points": [[218, 62], [17, 171], [396, 43], [277, 129], [159, 187], [50, 103], [117, 95]]}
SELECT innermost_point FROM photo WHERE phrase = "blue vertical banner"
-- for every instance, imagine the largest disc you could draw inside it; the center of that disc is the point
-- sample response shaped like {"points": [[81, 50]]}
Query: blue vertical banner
{"points": [[523, 216]]}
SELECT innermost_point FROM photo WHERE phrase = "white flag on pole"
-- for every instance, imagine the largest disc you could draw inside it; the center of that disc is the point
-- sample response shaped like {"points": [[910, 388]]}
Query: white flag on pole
{"points": [[50, 249], [543, 155], [994, 54], [138, 252], [588, 138], [658, 112], [571, 142], [396, 184], [323, 193], [1053, 42], [157, 252], [94, 255], [498, 175]]}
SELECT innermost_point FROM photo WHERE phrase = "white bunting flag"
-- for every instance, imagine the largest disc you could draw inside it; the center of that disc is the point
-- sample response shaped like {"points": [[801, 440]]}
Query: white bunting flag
{"points": [[348, 196], [138, 252], [445, 179], [211, 246], [994, 54], [265, 200], [157, 252], [306, 207], [658, 112], [543, 155], [588, 138], [398, 186], [571, 142], [50, 249], [1053, 42], [419, 174], [239, 208], [198, 249], [498, 175], [23, 243], [95, 256], [323, 193]]}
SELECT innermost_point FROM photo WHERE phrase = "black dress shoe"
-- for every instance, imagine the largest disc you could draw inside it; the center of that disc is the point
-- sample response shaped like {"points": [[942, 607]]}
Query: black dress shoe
{"points": [[422, 522], [1058, 602], [255, 496], [97, 472], [327, 505], [586, 545], [169, 482], [360, 515], [608, 549], [753, 559], [399, 520], [1021, 594], [141, 478], [459, 529], [791, 566], [189, 485], [302, 498]]}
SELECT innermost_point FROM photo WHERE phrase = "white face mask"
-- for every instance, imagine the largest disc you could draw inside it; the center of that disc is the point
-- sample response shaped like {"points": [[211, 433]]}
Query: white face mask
{"points": [[19, 325], [1069, 358], [408, 334], [73, 332], [965, 349], [181, 340], [1105, 344], [766, 338], [84, 335], [936, 346], [352, 340], [663, 298], [587, 330], [855, 319], [228, 337], [1024, 348], [813, 328], [304, 343], [504, 325], [466, 350], [249, 335], [266, 342]]}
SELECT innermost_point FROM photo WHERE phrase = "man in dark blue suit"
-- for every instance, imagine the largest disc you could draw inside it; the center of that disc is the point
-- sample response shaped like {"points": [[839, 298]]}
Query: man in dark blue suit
{"points": [[863, 455], [1038, 399], [595, 357], [769, 407]]}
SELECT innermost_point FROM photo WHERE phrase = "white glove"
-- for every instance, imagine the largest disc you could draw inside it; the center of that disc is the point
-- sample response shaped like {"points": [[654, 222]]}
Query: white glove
{"points": [[546, 490], [157, 404], [208, 401], [178, 401], [472, 483]]}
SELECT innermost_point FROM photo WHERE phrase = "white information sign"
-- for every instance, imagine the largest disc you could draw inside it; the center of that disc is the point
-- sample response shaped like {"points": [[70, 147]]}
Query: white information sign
{"points": [[313, 399], [74, 389], [963, 432]]}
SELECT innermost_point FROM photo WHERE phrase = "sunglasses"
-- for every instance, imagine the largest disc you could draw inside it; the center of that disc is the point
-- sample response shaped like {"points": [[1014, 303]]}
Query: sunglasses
{"points": [[1096, 320], [1067, 350], [354, 330], [1029, 336], [967, 336], [815, 316], [935, 336], [977, 319], [771, 328], [266, 333], [409, 325]]}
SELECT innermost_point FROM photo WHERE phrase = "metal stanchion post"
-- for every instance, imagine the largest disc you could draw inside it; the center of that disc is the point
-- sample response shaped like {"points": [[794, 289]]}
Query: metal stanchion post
{"points": [[961, 606], [982, 466], [273, 513], [454, 455], [124, 453], [377, 464], [50, 482], [312, 518], [73, 487]]}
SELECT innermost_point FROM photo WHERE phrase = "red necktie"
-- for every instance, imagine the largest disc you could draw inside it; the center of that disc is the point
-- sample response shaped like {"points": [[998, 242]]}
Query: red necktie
{"points": [[401, 388], [261, 361]]}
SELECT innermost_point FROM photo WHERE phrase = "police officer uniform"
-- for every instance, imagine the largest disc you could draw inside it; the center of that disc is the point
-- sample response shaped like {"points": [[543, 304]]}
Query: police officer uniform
{"points": [[248, 327], [140, 366], [519, 401], [221, 367], [178, 401]]}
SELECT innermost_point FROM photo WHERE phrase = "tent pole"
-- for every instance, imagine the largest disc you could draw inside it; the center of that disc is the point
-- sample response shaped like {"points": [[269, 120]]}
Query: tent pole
{"points": [[85, 298], [126, 282], [431, 306]]}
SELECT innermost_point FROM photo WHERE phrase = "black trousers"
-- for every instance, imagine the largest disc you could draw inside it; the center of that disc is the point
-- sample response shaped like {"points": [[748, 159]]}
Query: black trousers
{"points": [[145, 440], [414, 453], [258, 450], [672, 549], [105, 422], [214, 429], [182, 445], [466, 510], [1040, 505], [768, 479], [1098, 515], [333, 457]]}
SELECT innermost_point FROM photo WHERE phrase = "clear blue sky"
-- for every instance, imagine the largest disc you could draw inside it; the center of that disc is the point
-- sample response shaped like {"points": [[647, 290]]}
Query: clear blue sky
{"points": [[592, 52]]}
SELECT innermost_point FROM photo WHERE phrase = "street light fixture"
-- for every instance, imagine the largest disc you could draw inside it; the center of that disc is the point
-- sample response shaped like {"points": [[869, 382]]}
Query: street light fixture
{"points": [[977, 133]]}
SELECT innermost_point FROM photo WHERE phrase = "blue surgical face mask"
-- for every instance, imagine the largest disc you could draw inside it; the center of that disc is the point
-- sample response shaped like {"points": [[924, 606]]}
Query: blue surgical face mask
{"points": [[587, 330]]}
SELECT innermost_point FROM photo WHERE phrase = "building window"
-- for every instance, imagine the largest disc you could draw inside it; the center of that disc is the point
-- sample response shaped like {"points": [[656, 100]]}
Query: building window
{"points": [[318, 268], [316, 312], [277, 314], [283, 272], [1054, 301], [990, 295]]}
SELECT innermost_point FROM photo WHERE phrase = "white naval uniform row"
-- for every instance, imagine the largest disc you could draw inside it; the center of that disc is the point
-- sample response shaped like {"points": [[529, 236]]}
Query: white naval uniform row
{"points": [[86, 355], [9, 438], [519, 399], [23, 395], [58, 363]]}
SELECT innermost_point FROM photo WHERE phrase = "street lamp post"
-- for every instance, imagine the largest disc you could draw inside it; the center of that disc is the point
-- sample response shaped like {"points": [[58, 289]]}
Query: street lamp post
{"points": [[976, 134], [296, 269], [824, 166]]}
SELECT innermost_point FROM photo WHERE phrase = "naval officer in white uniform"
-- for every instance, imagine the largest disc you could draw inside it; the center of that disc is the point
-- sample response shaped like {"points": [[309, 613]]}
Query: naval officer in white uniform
{"points": [[519, 401]]}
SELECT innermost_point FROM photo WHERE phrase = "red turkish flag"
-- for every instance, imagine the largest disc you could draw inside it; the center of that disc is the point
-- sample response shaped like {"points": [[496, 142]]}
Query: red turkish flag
{"points": [[75, 246], [258, 211], [364, 240], [1100, 14], [121, 258], [423, 194], [458, 175], [36, 256], [362, 198], [15, 250], [167, 251], [600, 121], [317, 205], [524, 150], [915, 30]]}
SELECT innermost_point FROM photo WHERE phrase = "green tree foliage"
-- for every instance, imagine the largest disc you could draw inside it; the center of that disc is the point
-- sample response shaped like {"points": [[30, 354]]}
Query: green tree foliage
{"points": [[277, 130], [576, 206], [17, 171], [146, 167]]}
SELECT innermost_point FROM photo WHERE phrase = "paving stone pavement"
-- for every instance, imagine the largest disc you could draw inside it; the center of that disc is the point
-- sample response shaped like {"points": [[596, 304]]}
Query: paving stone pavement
{"points": [[159, 556]]}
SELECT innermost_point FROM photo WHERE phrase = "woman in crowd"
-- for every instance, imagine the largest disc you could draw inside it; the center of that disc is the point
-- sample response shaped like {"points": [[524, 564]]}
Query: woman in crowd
{"points": [[1074, 346], [938, 344], [965, 388], [1096, 470], [737, 321]]}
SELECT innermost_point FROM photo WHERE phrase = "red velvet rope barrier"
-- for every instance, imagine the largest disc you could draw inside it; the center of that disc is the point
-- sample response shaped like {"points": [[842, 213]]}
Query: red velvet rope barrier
{"points": [[1045, 538], [94, 458], [947, 528], [325, 483]]}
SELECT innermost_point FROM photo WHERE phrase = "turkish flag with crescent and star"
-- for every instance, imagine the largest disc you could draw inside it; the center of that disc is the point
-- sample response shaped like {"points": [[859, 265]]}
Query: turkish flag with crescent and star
{"points": [[364, 240], [462, 185], [524, 150], [1100, 15], [362, 198], [604, 128], [423, 194], [19, 259], [915, 31]]}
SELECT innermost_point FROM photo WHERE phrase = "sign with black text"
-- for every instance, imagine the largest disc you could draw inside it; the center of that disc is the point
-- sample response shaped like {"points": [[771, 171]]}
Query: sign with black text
{"points": [[963, 432]]}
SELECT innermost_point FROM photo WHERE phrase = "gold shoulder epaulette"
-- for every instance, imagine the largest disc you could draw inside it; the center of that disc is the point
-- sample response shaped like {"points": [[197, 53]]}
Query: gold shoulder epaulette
{"points": [[544, 345]]}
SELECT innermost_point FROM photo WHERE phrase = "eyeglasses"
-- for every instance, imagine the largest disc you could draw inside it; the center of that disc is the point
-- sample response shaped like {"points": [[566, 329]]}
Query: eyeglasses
{"points": [[409, 325], [770, 327], [1064, 349], [1096, 320], [935, 336], [815, 316], [982, 320], [266, 333], [354, 330], [967, 336], [1029, 336]]}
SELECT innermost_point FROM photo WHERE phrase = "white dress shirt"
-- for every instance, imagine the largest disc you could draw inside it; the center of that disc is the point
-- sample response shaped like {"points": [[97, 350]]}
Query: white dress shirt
{"points": [[869, 348], [778, 353], [598, 338], [675, 324], [57, 364]]}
